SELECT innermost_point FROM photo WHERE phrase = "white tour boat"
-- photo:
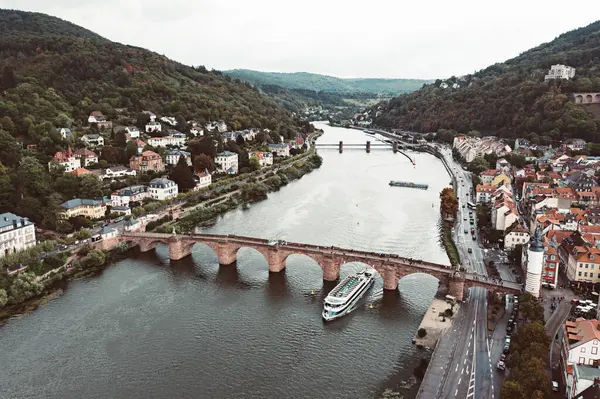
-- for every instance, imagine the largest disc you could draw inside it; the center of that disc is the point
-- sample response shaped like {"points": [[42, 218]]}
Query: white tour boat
{"points": [[344, 297]]}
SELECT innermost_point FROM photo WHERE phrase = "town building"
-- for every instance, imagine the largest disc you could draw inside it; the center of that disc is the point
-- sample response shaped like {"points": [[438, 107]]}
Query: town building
{"points": [[133, 132], [96, 117], [550, 265], [162, 189], [93, 140], [472, 147], [65, 159], [16, 234], [146, 161], [86, 157], [117, 172], [88, 208], [583, 264], [153, 127], [579, 355], [65, 133], [484, 193], [81, 172], [280, 150], [173, 156], [129, 194], [165, 141], [227, 162], [169, 120], [515, 235], [140, 144], [151, 115], [264, 158], [559, 71], [203, 179], [487, 176]]}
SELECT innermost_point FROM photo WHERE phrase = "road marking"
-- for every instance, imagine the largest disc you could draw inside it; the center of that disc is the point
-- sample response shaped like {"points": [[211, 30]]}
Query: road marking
{"points": [[465, 362], [456, 368], [459, 380], [456, 393]]}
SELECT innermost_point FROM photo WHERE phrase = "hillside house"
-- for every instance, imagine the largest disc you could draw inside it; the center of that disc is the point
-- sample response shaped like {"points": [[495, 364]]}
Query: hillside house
{"points": [[86, 157], [227, 162], [162, 189], [66, 159], [93, 140], [147, 160]]}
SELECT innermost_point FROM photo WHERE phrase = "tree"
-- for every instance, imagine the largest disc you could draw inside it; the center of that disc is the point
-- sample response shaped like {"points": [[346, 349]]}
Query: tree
{"points": [[240, 140], [203, 162], [512, 390], [90, 187], [8, 78], [449, 203], [421, 333], [183, 176], [121, 139], [112, 155], [478, 165], [3, 297], [131, 149], [203, 146], [10, 150], [142, 120], [254, 163], [260, 137]]}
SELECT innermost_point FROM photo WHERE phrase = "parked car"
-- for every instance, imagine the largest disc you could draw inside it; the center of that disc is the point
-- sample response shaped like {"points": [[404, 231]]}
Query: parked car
{"points": [[555, 386], [501, 366], [470, 250]]}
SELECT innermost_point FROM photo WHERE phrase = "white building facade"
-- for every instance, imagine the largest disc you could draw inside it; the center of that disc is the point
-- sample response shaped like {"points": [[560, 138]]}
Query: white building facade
{"points": [[162, 189], [16, 234], [227, 162], [559, 71]]}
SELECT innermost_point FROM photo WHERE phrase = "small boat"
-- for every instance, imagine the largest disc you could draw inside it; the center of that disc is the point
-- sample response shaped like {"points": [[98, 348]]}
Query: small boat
{"points": [[344, 297]]}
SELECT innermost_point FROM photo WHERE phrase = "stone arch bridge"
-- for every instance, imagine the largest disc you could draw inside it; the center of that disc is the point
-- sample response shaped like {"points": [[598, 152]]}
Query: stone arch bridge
{"points": [[392, 268]]}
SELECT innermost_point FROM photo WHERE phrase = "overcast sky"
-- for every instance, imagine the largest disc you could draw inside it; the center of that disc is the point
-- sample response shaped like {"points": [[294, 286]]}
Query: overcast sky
{"points": [[345, 38]]}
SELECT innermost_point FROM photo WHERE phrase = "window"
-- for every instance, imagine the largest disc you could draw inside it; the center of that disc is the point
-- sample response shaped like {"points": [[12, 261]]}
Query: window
{"points": [[585, 274], [586, 265], [583, 349], [594, 351], [591, 362], [579, 274], [581, 360], [591, 275], [553, 257]]}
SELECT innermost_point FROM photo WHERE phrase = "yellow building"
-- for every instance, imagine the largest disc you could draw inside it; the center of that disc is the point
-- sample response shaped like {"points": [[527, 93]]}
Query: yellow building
{"points": [[88, 208], [501, 179]]}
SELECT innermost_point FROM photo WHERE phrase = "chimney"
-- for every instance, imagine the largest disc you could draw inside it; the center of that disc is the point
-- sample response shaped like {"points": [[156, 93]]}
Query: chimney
{"points": [[14, 224], [22, 222]]}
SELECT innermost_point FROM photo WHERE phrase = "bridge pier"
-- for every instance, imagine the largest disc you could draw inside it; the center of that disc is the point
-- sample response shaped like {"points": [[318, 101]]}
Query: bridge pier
{"points": [[276, 261], [147, 246], [456, 287], [368, 147], [390, 280], [331, 272], [341, 147], [227, 256], [177, 249], [395, 147]]}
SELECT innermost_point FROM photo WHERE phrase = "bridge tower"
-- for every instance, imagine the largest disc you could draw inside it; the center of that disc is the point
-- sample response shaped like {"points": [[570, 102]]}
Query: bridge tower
{"points": [[341, 147], [395, 147], [368, 147]]}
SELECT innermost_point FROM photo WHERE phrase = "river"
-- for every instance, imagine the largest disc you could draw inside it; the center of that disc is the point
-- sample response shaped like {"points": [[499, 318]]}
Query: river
{"points": [[148, 329]]}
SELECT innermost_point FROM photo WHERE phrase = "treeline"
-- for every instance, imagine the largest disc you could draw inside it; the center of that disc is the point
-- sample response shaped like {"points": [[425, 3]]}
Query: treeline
{"points": [[511, 99]]}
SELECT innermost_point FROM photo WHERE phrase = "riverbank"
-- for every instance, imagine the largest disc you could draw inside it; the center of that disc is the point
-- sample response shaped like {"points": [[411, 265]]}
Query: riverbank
{"points": [[437, 319]]}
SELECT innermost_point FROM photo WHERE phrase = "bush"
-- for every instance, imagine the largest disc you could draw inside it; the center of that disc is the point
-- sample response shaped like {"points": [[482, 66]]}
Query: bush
{"points": [[421, 333]]}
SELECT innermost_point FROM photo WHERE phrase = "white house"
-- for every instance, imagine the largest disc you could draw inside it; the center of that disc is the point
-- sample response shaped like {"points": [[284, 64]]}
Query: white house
{"points": [[166, 141], [579, 348], [504, 213], [203, 179], [96, 117], [93, 140], [153, 126], [169, 120], [173, 156], [264, 158], [150, 114], [133, 132], [281, 150], [128, 194], [118, 171], [163, 189], [559, 71], [227, 162], [515, 235], [65, 133], [16, 234], [107, 232], [197, 131], [484, 193], [86, 156], [66, 159]]}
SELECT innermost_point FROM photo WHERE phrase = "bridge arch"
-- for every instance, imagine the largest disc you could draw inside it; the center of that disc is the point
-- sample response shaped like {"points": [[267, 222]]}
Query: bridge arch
{"points": [[589, 99], [578, 99]]}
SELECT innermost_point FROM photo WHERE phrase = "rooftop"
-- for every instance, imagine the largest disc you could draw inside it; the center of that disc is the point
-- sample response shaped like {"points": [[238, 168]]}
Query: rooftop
{"points": [[7, 219]]}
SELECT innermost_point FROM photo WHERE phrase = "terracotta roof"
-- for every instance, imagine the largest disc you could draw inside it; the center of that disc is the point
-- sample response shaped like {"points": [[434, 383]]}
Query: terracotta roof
{"points": [[150, 154], [489, 172], [482, 188], [589, 229], [84, 152], [81, 172], [582, 330]]}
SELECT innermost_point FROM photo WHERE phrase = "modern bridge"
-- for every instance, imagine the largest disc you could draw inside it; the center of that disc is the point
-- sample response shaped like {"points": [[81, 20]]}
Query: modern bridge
{"points": [[391, 267]]}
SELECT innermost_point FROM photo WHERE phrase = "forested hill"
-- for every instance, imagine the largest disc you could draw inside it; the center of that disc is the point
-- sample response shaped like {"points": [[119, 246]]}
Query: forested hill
{"points": [[315, 82], [58, 72], [53, 74], [511, 99]]}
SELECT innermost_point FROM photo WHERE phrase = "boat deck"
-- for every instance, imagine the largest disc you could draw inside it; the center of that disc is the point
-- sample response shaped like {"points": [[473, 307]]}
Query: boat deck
{"points": [[346, 287]]}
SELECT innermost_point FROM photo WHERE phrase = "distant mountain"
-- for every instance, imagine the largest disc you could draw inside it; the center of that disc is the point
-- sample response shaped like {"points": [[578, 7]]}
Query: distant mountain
{"points": [[315, 82], [511, 99]]}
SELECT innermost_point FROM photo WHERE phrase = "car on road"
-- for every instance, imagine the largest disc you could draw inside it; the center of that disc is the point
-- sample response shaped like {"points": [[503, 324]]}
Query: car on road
{"points": [[501, 366], [470, 250], [466, 231], [474, 238], [555, 386]]}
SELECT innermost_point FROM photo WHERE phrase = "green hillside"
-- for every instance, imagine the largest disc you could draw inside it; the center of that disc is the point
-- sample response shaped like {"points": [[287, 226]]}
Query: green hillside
{"points": [[511, 99], [315, 82], [54, 73]]}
